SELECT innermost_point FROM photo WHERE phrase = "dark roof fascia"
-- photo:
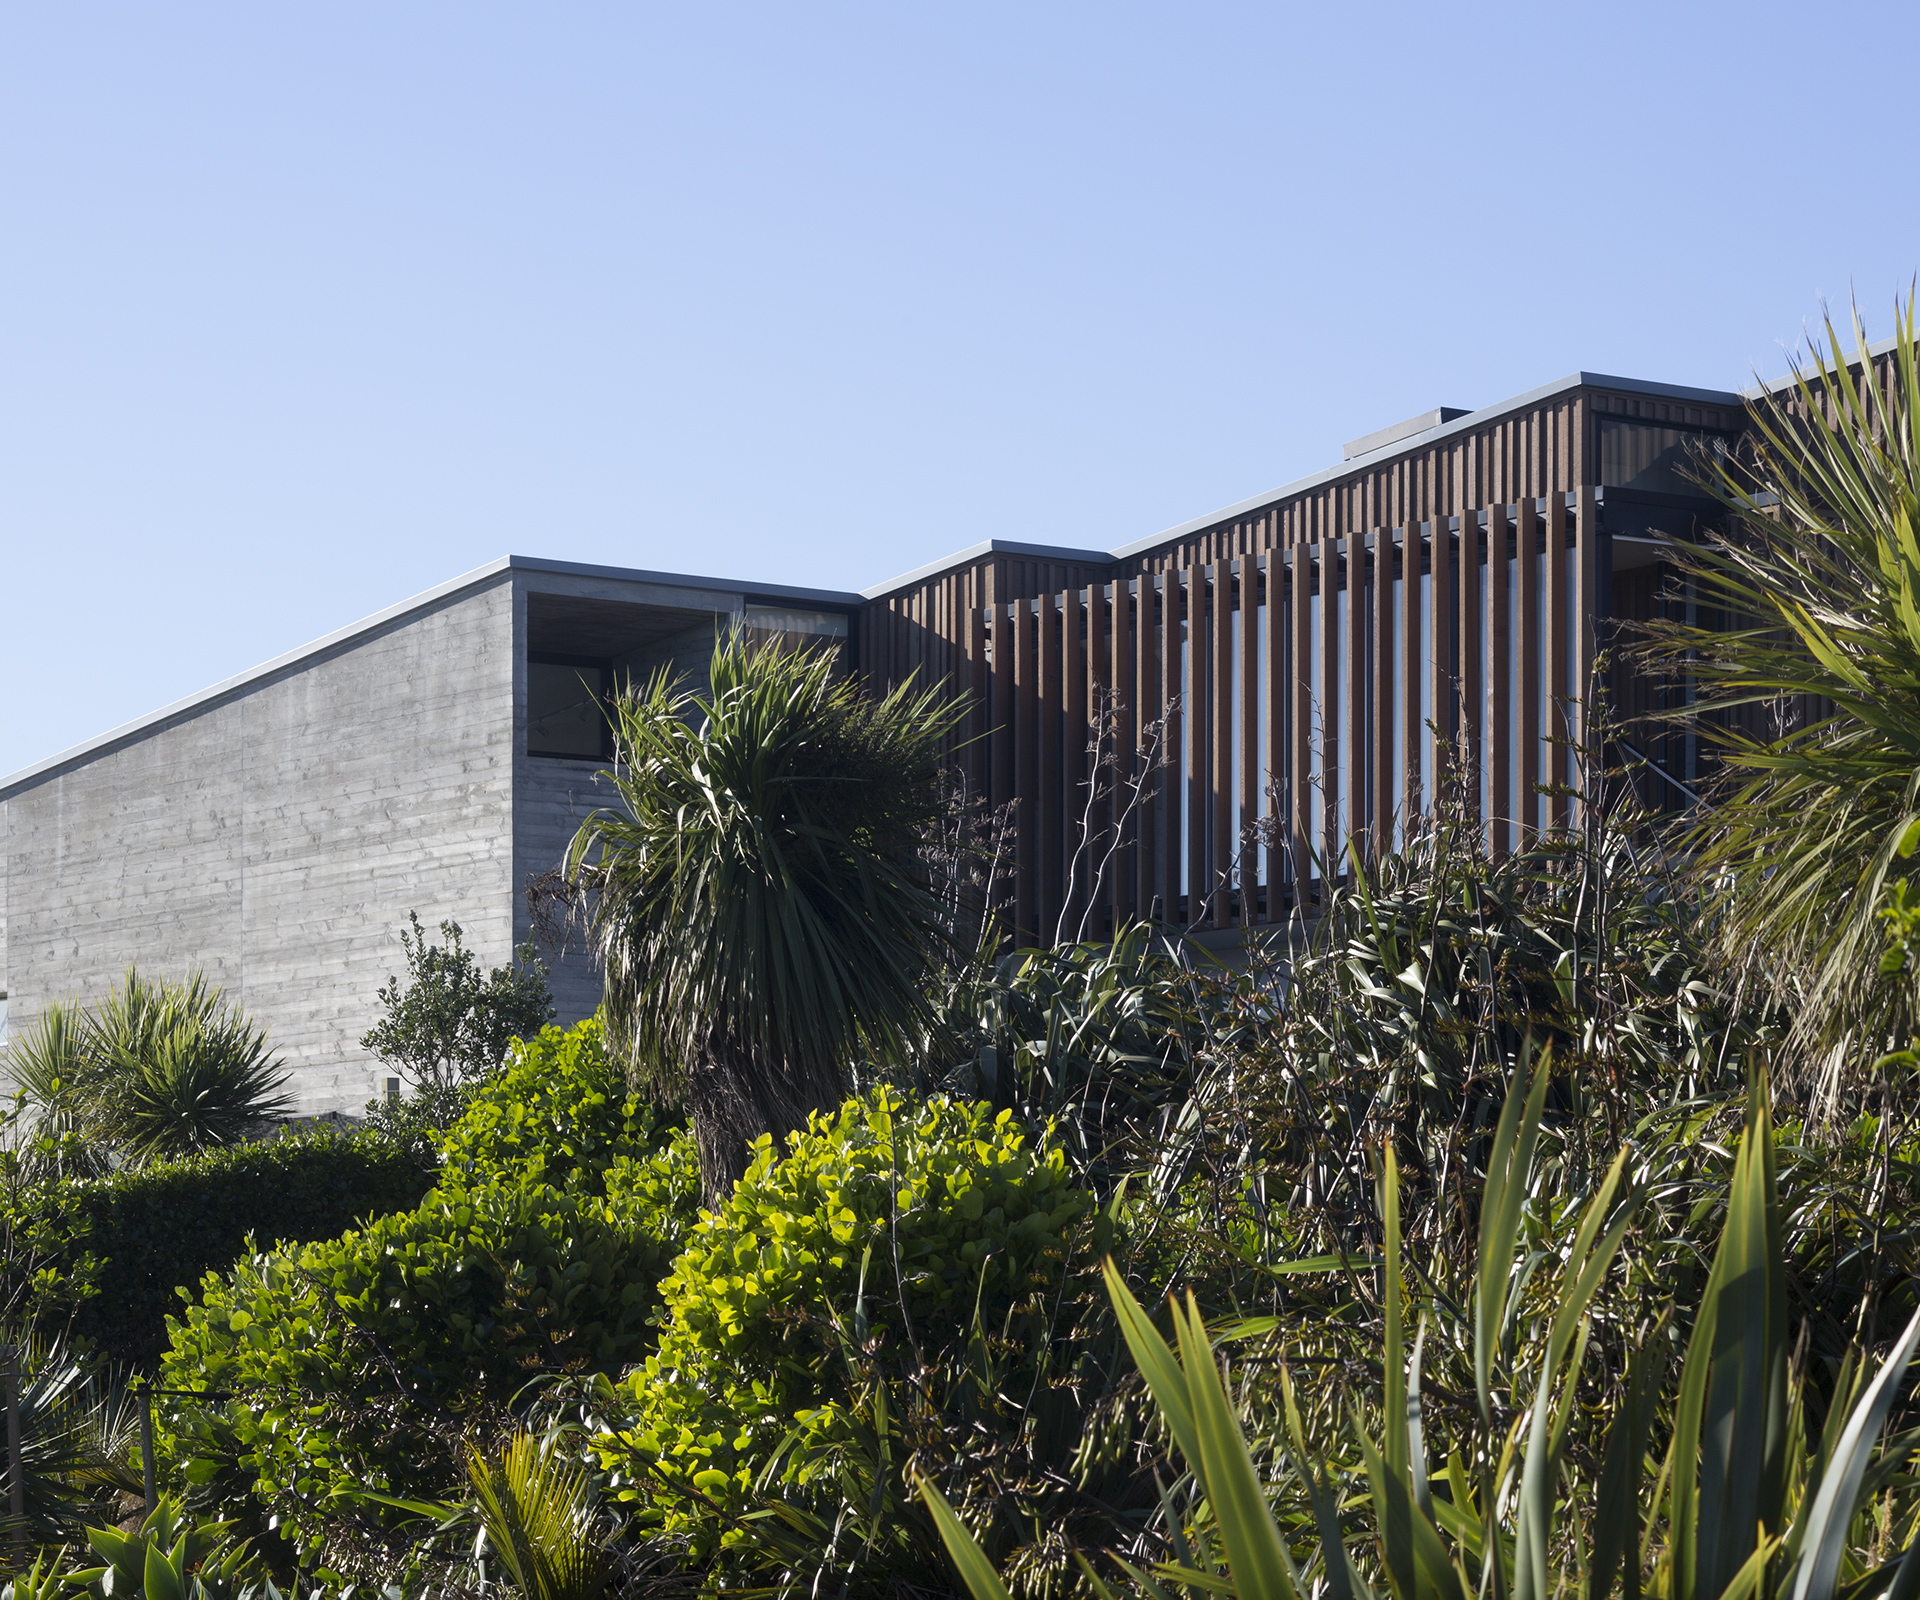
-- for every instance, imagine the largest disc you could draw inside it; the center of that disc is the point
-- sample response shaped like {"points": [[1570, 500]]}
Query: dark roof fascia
{"points": [[837, 599], [979, 552], [1427, 438]]}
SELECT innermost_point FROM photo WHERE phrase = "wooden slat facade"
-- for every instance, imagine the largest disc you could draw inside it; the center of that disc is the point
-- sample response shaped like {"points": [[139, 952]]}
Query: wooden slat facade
{"points": [[1290, 659]]}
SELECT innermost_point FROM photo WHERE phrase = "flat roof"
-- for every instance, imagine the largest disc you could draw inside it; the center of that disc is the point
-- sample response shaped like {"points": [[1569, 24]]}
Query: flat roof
{"points": [[479, 578], [1401, 445]]}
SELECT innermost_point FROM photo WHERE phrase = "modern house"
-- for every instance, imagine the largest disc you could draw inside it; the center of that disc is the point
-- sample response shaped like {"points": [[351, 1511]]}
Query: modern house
{"points": [[1285, 655]]}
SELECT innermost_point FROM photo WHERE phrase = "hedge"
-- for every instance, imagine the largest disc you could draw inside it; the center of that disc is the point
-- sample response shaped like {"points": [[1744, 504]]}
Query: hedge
{"points": [[165, 1226]]}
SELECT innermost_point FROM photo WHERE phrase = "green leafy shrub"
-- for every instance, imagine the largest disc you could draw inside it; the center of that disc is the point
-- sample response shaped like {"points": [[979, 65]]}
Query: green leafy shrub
{"points": [[780, 1294], [558, 1105], [360, 1362], [163, 1227]]}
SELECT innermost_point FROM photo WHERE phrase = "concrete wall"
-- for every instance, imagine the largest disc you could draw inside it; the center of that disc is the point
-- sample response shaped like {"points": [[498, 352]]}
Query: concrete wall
{"points": [[277, 839]]}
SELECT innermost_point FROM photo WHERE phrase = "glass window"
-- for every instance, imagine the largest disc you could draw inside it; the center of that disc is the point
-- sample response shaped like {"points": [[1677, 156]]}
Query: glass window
{"points": [[1640, 455], [566, 713], [814, 624]]}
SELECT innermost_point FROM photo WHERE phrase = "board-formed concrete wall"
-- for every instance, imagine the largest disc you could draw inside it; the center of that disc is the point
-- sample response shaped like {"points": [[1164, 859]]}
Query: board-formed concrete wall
{"points": [[278, 838], [275, 832]]}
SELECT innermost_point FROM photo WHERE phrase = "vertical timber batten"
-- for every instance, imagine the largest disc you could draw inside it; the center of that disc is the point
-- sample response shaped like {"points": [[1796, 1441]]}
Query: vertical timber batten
{"points": [[1288, 660]]}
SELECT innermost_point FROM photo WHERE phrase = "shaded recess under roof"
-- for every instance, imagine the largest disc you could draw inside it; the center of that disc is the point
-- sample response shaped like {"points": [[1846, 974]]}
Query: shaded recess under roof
{"points": [[570, 625]]}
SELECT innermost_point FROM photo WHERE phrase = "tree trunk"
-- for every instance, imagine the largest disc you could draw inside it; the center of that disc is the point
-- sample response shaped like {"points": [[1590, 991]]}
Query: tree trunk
{"points": [[731, 1101]]}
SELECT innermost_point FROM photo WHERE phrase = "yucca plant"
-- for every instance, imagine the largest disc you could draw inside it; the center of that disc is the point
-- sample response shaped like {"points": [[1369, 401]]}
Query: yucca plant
{"points": [[756, 900], [1809, 680], [1746, 1507]]}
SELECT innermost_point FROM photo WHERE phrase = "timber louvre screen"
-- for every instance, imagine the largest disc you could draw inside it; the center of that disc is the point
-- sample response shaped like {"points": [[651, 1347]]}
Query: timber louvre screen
{"points": [[1313, 652], [1294, 651]]}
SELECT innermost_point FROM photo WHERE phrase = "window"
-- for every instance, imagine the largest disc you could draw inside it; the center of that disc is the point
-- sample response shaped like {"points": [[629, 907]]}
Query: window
{"points": [[1640, 455], [801, 624], [566, 708]]}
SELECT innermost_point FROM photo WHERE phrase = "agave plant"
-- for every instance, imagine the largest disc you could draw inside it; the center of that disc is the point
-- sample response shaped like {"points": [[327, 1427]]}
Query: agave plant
{"points": [[1745, 1507], [1810, 683], [757, 901]]}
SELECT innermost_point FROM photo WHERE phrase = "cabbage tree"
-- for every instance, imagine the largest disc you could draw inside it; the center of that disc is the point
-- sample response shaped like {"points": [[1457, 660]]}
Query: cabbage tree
{"points": [[758, 898]]}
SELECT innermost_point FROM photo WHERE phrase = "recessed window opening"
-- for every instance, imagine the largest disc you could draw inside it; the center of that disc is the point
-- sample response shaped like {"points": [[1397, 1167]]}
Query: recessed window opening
{"points": [[566, 709]]}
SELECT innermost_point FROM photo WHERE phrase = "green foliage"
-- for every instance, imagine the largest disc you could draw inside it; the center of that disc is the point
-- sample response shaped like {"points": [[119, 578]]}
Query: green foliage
{"points": [[1095, 1038], [751, 1378], [48, 1060], [756, 900], [158, 1229], [558, 1106], [450, 1024], [1815, 586], [361, 1361], [541, 1520], [171, 1557], [156, 1071], [1751, 1506]]}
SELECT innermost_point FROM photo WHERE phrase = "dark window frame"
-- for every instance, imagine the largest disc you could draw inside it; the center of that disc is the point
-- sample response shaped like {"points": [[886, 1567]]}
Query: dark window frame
{"points": [[550, 658]]}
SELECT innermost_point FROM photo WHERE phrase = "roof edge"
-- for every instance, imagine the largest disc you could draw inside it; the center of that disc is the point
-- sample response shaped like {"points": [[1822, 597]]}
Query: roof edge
{"points": [[685, 580], [479, 578], [986, 547], [1428, 436]]}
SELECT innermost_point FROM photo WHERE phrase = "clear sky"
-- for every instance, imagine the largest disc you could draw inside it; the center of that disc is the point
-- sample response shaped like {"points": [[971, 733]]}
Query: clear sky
{"points": [[306, 308]]}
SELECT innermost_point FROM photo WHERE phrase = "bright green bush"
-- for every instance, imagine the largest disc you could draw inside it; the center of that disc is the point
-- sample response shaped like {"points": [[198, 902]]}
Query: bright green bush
{"points": [[557, 1103], [359, 1361], [776, 1293], [164, 1226]]}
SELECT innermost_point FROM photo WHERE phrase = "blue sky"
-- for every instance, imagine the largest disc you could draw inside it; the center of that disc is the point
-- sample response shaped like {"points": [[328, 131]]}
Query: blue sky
{"points": [[304, 309]]}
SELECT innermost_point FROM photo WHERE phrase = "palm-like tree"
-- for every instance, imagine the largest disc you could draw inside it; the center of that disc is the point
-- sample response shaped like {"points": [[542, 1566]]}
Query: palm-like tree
{"points": [[1818, 574], [758, 900]]}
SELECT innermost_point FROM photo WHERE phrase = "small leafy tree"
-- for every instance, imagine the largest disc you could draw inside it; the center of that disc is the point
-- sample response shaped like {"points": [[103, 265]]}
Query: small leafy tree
{"points": [[450, 1026]]}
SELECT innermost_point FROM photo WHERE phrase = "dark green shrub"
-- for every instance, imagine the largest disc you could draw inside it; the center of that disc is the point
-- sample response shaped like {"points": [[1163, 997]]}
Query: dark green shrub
{"points": [[165, 1226], [361, 1362], [795, 1275]]}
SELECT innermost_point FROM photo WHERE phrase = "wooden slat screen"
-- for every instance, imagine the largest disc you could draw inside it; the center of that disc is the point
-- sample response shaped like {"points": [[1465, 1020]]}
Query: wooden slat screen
{"points": [[1287, 665]]}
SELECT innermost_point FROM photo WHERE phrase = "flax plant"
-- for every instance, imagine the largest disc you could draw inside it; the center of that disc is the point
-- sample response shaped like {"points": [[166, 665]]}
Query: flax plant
{"points": [[1809, 683], [1748, 1500]]}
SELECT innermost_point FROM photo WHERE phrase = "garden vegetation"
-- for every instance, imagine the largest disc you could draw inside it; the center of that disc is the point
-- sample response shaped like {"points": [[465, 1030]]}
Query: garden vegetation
{"points": [[1534, 1226]]}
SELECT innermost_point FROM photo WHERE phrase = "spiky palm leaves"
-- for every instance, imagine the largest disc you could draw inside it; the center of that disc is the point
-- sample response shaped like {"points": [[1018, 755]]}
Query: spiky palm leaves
{"points": [[542, 1521], [1818, 582], [757, 900], [157, 1069]]}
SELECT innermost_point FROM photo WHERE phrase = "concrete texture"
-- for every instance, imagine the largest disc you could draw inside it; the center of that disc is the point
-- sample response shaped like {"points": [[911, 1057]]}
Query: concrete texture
{"points": [[278, 840], [276, 831]]}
